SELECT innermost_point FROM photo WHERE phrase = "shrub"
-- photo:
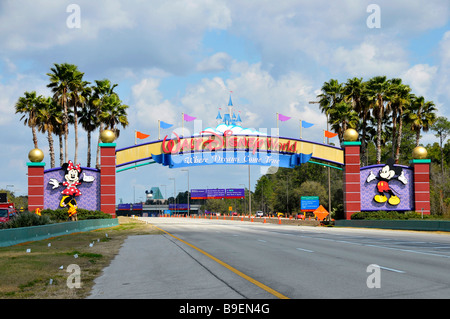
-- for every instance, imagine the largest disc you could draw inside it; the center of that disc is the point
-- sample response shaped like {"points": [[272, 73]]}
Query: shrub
{"points": [[26, 219], [391, 215], [60, 215]]}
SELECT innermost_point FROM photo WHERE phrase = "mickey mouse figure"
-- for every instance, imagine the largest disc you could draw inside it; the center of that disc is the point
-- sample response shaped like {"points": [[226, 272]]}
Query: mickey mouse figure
{"points": [[388, 173], [72, 180]]}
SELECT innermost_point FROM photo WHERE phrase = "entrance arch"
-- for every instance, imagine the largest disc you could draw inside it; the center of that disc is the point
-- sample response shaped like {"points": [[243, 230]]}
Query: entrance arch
{"points": [[231, 149], [235, 149]]}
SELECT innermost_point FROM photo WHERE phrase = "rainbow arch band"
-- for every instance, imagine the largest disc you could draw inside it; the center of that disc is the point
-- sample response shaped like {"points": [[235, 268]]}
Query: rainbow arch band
{"points": [[213, 149]]}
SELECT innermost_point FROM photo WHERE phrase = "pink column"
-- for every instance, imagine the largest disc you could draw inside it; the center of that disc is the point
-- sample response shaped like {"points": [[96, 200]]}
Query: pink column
{"points": [[421, 185], [108, 178], [352, 184], [35, 186]]}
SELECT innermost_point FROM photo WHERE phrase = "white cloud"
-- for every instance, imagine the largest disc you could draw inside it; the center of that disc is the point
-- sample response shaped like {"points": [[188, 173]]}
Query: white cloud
{"points": [[370, 58], [149, 104], [420, 78], [217, 62]]}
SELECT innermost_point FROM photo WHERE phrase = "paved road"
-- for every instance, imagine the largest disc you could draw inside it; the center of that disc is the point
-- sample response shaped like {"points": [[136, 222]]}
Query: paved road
{"points": [[211, 259]]}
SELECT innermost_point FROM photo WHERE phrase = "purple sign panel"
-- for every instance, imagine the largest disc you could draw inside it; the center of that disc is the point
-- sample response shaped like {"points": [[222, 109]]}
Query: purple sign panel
{"points": [[385, 187], [235, 193], [198, 193], [89, 192], [215, 193]]}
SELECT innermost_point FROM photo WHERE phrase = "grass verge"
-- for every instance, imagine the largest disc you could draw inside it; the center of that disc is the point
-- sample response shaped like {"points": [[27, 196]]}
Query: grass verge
{"points": [[39, 270]]}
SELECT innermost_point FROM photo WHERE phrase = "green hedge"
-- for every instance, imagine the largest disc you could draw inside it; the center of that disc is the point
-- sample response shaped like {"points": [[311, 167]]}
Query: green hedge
{"points": [[50, 216], [392, 215], [26, 219], [82, 214]]}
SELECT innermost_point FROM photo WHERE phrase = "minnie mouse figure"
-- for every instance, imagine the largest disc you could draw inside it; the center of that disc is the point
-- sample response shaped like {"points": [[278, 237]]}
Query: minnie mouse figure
{"points": [[72, 180]]}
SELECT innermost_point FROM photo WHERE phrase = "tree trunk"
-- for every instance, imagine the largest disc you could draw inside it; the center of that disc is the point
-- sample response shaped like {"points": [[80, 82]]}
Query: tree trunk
{"points": [[379, 139], [442, 154], [75, 115], [66, 128], [363, 140], [61, 152], [35, 140], [51, 149], [417, 137], [399, 137], [89, 149], [97, 164], [394, 131]]}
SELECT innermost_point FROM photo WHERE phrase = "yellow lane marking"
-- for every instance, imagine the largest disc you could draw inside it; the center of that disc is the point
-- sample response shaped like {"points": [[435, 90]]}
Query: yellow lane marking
{"points": [[237, 272]]}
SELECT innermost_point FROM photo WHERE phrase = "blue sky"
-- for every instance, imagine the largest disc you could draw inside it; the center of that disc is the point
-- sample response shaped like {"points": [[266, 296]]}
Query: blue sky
{"points": [[170, 57]]}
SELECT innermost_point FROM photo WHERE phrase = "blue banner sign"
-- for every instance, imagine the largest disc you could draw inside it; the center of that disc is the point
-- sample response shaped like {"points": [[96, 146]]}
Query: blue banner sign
{"points": [[309, 203]]}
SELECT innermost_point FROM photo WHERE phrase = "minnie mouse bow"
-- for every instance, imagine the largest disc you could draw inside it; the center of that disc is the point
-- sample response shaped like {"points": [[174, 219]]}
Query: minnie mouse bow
{"points": [[71, 166]]}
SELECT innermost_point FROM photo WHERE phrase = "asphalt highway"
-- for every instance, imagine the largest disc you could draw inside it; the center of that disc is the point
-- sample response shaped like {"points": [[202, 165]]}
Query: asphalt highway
{"points": [[219, 259]]}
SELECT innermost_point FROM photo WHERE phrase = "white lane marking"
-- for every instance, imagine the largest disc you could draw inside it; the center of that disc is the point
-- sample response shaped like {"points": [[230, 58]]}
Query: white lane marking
{"points": [[263, 241], [307, 250], [392, 269]]}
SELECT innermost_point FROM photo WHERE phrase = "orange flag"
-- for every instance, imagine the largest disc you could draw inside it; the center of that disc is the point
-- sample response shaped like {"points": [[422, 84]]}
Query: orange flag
{"points": [[329, 134], [141, 135]]}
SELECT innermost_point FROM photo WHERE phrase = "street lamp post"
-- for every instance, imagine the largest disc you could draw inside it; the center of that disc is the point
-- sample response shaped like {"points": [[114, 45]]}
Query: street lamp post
{"points": [[174, 192], [188, 197], [244, 196], [165, 195]]}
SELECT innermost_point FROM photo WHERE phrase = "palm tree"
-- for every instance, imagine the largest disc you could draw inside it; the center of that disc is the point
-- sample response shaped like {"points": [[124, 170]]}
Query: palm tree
{"points": [[343, 116], [28, 105], [114, 113], [89, 121], [48, 121], [332, 93], [442, 129], [377, 90], [101, 90], [422, 116], [400, 99], [77, 100], [355, 90], [63, 80]]}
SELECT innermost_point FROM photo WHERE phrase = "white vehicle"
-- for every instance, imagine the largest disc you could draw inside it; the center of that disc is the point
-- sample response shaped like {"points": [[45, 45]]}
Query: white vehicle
{"points": [[259, 214]]}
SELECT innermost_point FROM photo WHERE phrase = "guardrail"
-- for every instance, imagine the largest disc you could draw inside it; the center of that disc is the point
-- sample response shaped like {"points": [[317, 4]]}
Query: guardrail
{"points": [[14, 236], [425, 225]]}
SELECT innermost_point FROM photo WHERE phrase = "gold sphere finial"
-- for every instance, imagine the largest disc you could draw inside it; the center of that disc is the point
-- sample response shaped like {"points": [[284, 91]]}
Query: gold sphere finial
{"points": [[350, 135], [419, 152], [107, 136], [36, 155]]}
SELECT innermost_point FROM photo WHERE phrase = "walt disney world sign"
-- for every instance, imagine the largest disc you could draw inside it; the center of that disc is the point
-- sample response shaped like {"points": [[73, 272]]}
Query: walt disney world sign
{"points": [[215, 148]]}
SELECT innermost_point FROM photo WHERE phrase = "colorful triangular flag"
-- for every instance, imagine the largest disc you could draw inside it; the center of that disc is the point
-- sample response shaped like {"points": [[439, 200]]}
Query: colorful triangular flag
{"points": [[282, 117], [164, 125], [188, 118], [141, 135], [329, 134], [306, 124]]}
